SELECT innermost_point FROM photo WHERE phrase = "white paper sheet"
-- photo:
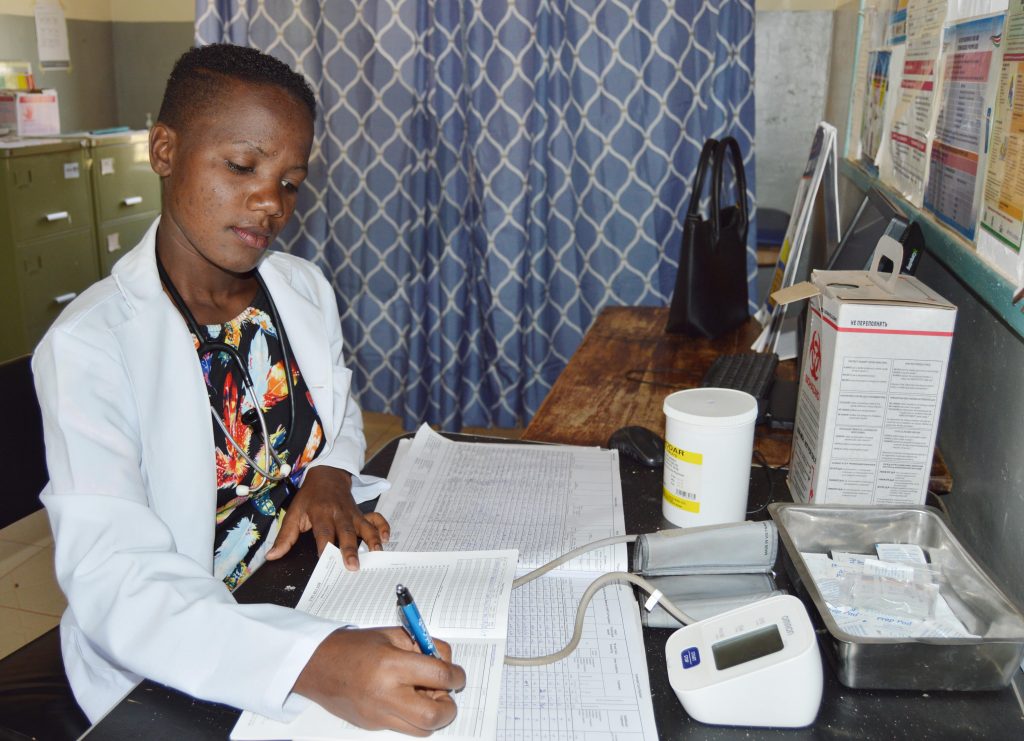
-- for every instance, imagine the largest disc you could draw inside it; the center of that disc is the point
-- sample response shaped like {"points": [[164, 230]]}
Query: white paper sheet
{"points": [[51, 35], [602, 691], [463, 598], [543, 500]]}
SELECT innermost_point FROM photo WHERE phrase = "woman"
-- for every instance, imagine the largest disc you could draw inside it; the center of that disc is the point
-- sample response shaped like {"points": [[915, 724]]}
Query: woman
{"points": [[198, 418]]}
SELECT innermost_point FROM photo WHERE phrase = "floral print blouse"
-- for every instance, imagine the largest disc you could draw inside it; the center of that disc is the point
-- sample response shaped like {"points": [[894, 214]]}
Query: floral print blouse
{"points": [[250, 507]]}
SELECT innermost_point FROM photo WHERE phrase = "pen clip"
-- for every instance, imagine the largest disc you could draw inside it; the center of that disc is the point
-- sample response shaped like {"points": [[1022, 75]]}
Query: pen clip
{"points": [[412, 621]]}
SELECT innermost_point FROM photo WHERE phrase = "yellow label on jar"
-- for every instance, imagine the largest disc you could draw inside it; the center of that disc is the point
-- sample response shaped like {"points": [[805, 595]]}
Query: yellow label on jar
{"points": [[689, 505], [686, 456], [684, 474]]}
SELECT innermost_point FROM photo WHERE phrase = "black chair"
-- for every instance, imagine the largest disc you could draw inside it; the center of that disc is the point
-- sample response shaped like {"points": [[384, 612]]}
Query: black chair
{"points": [[36, 701], [21, 439]]}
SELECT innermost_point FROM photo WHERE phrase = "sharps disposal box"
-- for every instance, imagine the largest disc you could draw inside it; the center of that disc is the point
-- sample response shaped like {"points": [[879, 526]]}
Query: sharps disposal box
{"points": [[875, 355], [30, 112]]}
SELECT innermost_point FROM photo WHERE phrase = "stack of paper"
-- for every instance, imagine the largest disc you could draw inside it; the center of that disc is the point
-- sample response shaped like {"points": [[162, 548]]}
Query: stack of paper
{"points": [[541, 500]]}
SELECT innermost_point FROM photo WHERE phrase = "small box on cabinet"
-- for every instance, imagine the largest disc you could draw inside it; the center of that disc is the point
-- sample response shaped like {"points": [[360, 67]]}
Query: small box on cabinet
{"points": [[30, 113]]}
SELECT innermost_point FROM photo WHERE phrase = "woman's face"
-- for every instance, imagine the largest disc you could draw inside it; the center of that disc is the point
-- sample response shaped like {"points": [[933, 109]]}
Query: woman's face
{"points": [[232, 174]]}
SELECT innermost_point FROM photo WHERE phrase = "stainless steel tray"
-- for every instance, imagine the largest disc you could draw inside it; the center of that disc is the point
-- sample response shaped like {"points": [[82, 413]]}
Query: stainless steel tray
{"points": [[983, 663]]}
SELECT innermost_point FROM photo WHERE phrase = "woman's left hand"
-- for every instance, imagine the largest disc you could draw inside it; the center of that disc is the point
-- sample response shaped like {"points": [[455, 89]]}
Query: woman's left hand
{"points": [[324, 505]]}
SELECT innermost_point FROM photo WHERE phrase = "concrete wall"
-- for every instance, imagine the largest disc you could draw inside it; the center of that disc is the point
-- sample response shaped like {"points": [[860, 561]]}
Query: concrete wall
{"points": [[791, 68]]}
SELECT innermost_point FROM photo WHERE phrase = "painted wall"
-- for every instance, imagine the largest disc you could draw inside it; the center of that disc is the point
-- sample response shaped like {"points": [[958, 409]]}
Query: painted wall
{"points": [[112, 10], [144, 54], [121, 53], [87, 96]]}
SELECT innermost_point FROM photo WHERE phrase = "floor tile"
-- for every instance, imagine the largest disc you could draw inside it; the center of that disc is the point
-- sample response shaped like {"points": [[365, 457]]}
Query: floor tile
{"points": [[14, 554], [20, 627], [380, 429], [32, 586], [33, 529]]}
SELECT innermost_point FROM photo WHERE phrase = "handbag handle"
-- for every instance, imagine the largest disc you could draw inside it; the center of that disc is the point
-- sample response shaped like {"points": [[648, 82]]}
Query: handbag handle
{"points": [[707, 154], [729, 146]]}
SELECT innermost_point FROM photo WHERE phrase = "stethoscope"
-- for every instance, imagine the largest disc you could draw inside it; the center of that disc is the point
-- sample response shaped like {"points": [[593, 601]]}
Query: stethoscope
{"points": [[207, 345]]}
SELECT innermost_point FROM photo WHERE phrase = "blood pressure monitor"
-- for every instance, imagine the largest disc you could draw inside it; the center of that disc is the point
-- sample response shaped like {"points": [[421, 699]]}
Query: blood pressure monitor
{"points": [[757, 665]]}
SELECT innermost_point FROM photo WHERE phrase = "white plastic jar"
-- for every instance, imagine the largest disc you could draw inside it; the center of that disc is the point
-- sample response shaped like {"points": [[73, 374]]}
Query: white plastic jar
{"points": [[709, 441]]}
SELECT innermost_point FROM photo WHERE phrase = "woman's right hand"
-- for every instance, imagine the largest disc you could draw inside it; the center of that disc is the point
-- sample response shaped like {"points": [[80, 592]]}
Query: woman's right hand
{"points": [[378, 679]]}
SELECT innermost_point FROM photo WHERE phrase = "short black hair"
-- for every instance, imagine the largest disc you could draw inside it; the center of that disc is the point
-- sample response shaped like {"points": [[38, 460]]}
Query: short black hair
{"points": [[201, 72]]}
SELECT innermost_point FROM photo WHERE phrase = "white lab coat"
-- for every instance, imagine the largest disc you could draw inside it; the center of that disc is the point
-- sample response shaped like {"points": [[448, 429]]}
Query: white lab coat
{"points": [[132, 492]]}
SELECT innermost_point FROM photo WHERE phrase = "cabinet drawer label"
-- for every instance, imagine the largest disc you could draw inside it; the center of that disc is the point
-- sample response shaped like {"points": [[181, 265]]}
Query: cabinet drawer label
{"points": [[70, 170], [106, 166]]}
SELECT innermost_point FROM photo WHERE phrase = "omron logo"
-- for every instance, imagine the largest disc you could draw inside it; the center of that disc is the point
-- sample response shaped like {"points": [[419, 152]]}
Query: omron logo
{"points": [[868, 323]]}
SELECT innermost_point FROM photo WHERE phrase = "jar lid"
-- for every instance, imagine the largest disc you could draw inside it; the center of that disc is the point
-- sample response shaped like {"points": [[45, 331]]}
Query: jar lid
{"points": [[712, 407]]}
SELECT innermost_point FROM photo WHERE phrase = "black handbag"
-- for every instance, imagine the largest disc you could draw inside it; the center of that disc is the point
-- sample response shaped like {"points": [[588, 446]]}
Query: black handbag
{"points": [[710, 295]]}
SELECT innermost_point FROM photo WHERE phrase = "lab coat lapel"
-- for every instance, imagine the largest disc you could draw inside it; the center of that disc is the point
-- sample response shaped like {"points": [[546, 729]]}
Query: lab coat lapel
{"points": [[174, 410], [303, 322]]}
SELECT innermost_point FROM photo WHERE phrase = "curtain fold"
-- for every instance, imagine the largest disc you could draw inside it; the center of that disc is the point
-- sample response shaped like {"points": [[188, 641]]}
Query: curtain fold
{"points": [[489, 175]]}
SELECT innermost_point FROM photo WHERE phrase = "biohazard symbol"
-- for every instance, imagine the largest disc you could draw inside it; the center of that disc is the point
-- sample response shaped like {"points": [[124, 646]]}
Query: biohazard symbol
{"points": [[815, 355]]}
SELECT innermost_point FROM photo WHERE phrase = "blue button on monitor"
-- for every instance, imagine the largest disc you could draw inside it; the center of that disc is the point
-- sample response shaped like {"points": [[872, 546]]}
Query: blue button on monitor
{"points": [[691, 657]]}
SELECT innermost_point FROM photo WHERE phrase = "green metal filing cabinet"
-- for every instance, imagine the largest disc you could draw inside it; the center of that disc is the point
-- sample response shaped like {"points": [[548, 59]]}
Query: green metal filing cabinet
{"points": [[126, 193], [70, 207], [47, 241]]}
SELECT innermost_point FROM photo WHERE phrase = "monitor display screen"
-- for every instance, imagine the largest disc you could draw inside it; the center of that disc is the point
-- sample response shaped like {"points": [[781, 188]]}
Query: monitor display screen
{"points": [[876, 217]]}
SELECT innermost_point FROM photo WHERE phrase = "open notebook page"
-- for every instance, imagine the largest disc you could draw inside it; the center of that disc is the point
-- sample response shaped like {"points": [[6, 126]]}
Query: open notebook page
{"points": [[463, 598]]}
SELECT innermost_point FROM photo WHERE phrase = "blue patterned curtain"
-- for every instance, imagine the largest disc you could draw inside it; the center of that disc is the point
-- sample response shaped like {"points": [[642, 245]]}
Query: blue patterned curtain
{"points": [[489, 175]]}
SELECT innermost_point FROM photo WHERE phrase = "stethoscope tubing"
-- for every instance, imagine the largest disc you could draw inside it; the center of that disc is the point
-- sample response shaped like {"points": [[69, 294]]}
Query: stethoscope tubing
{"points": [[209, 346]]}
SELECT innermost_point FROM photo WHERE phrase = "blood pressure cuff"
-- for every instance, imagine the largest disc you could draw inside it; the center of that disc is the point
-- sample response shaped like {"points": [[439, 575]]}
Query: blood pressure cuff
{"points": [[704, 595], [732, 548]]}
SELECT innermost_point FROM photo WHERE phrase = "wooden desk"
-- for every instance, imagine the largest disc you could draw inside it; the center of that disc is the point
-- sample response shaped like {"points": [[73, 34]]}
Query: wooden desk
{"points": [[593, 396]]}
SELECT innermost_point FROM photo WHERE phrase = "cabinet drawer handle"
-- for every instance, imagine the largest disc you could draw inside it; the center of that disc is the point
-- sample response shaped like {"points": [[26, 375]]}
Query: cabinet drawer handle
{"points": [[58, 215], [133, 200], [65, 298]]}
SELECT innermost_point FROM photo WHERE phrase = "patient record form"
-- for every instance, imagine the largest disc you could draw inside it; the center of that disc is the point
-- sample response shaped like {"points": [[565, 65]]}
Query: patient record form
{"points": [[463, 597], [542, 500]]}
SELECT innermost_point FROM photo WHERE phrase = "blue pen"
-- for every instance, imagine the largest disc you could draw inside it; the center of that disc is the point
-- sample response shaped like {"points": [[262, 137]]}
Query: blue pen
{"points": [[413, 623]]}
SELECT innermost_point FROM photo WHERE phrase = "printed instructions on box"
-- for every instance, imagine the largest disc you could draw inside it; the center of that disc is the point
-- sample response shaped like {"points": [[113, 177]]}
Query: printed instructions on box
{"points": [[881, 450]]}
